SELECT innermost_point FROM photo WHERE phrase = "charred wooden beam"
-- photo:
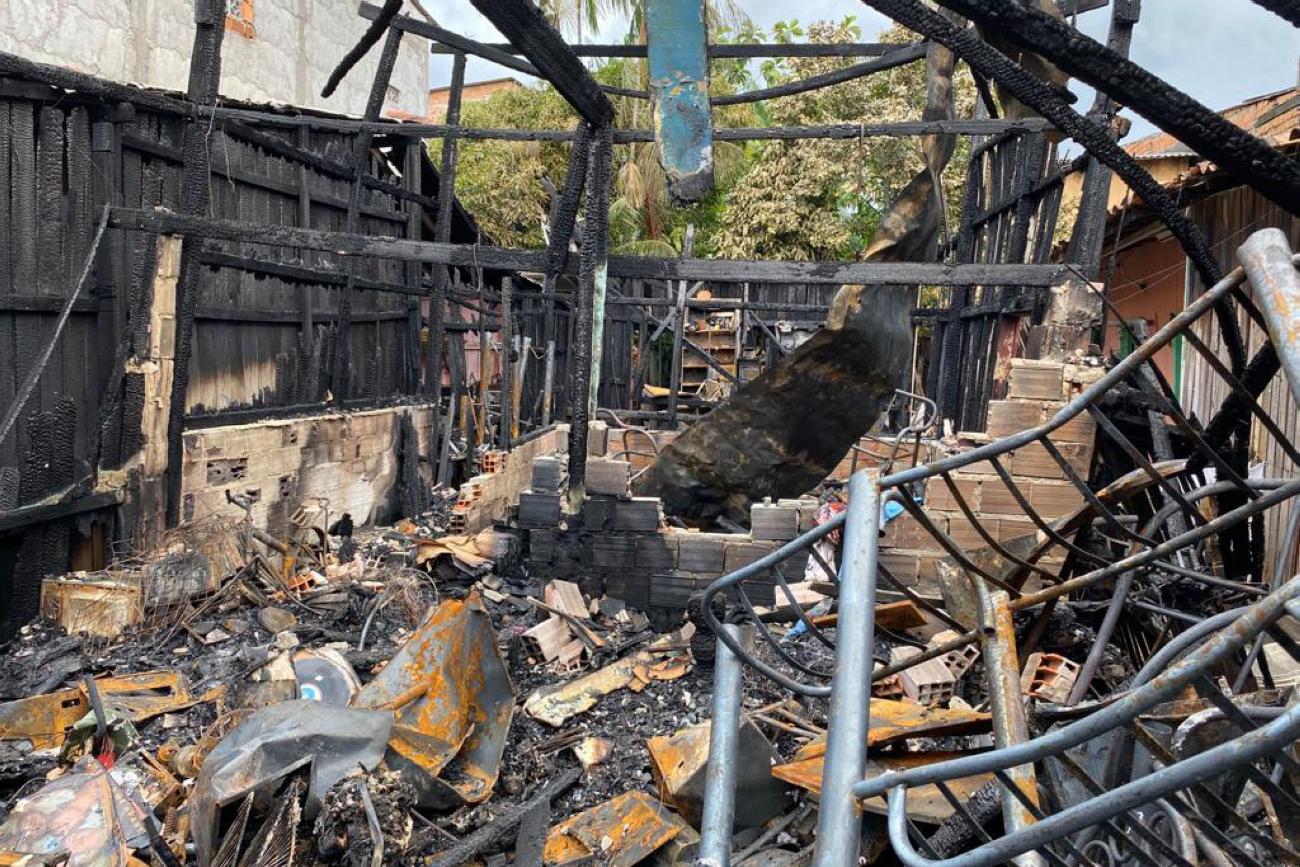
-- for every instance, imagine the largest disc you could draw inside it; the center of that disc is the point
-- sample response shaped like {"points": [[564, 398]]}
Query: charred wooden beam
{"points": [[378, 26], [902, 56], [204, 85], [523, 24], [747, 50], [1095, 138], [1288, 9], [341, 365], [838, 131], [642, 267], [1273, 174]]}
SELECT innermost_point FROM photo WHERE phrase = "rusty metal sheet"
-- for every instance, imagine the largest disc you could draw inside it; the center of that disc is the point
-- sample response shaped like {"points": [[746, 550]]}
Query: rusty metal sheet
{"points": [[678, 763], [453, 702], [621, 832], [45, 719], [894, 721], [557, 705], [924, 803]]}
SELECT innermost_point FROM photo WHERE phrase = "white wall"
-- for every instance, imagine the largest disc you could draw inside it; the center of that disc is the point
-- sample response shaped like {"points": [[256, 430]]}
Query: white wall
{"points": [[296, 45]]}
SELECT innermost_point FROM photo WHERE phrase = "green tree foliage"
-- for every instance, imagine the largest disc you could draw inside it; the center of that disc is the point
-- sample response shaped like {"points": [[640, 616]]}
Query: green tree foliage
{"points": [[818, 199], [790, 200]]}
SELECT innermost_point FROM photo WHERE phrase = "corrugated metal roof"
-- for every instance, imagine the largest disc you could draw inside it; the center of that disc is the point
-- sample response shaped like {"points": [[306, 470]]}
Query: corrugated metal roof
{"points": [[1274, 117]]}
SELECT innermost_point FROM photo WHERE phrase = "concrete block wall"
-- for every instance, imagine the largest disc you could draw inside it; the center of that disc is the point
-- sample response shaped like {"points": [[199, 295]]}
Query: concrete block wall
{"points": [[351, 459], [285, 56], [490, 496], [1036, 391]]}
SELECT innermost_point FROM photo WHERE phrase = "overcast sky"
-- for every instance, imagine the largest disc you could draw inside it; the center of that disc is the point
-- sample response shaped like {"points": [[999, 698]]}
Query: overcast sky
{"points": [[1220, 51]]}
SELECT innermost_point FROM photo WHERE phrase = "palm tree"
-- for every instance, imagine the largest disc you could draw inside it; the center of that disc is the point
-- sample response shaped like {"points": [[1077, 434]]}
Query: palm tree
{"points": [[640, 210]]}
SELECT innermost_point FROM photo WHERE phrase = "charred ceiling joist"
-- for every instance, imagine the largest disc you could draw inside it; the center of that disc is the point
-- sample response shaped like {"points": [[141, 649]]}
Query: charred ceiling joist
{"points": [[1273, 174], [1032, 91], [523, 24]]}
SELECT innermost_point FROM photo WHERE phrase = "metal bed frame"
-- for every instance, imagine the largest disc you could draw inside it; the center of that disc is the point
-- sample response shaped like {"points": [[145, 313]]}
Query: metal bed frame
{"points": [[1184, 795]]}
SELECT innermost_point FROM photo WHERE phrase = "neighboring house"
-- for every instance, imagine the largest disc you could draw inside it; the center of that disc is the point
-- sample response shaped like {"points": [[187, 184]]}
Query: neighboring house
{"points": [[476, 91], [1153, 281], [1271, 117], [278, 51]]}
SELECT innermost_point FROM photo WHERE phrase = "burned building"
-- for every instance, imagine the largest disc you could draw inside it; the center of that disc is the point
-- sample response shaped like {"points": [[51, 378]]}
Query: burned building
{"points": [[332, 531]]}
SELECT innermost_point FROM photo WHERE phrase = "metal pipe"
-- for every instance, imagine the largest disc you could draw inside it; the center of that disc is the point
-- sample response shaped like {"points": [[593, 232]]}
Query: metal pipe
{"points": [[1247, 625], [839, 824], [718, 815], [1266, 256], [1010, 727]]}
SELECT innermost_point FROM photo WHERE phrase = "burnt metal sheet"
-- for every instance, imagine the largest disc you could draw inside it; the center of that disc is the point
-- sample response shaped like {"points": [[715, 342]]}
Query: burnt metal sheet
{"points": [[924, 803], [81, 813], [677, 56], [620, 832], [452, 700], [45, 719], [678, 762], [276, 741]]}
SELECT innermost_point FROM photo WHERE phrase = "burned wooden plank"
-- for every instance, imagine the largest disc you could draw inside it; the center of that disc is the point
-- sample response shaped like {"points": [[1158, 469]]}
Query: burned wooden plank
{"points": [[874, 273]]}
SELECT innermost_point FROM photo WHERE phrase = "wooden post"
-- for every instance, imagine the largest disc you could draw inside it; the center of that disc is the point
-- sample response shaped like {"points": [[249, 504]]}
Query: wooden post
{"points": [[590, 308], [548, 381], [679, 334], [484, 426], [360, 166], [507, 399], [157, 369], [442, 232], [204, 84]]}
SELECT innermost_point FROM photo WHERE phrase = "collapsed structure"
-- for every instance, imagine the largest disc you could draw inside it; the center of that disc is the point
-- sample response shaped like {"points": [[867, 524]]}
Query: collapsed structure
{"points": [[385, 594]]}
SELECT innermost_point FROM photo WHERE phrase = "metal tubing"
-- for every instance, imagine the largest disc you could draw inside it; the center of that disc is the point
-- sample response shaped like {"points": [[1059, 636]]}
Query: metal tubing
{"points": [[718, 815], [839, 824], [1010, 726], [1242, 630], [1266, 256], [1196, 769]]}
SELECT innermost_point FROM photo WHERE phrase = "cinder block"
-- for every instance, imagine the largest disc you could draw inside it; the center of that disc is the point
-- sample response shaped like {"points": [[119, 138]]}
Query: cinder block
{"points": [[742, 553], [701, 552], [1007, 417], [962, 531], [1014, 528], [1054, 499], [598, 513], [902, 565], [630, 586], [542, 544], [537, 509], [997, 499], [1034, 461], [907, 532], [939, 496], [1080, 429], [612, 552], [606, 476], [671, 590], [549, 473], [658, 553], [638, 514], [1035, 380], [597, 439], [776, 522]]}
